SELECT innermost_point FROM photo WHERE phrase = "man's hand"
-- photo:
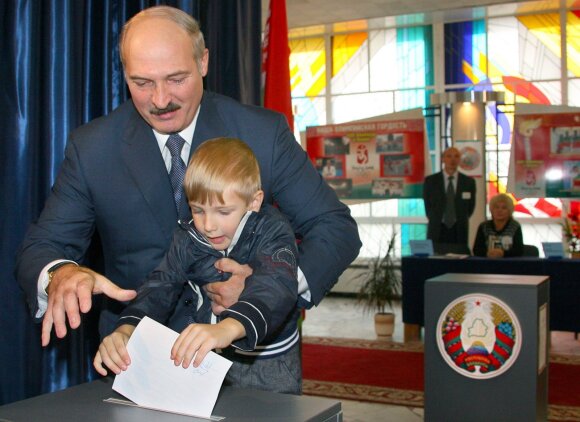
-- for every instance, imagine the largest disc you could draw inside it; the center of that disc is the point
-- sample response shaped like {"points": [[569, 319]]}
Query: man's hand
{"points": [[71, 290], [113, 351], [224, 294]]}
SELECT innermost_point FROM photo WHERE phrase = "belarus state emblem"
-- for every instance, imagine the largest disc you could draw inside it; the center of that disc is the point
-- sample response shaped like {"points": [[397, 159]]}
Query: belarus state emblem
{"points": [[479, 336]]}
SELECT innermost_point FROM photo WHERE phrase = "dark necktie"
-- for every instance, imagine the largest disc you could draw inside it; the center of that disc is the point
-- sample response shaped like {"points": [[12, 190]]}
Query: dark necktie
{"points": [[177, 172], [449, 217]]}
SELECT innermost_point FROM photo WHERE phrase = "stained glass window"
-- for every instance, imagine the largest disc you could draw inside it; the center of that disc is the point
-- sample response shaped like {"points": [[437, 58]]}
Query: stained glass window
{"points": [[573, 43], [465, 53], [346, 108], [415, 56], [350, 63], [573, 55], [386, 65], [523, 50], [383, 53], [308, 81], [574, 92]]}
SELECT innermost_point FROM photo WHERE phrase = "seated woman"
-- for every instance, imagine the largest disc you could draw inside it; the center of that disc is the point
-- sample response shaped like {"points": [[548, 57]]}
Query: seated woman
{"points": [[502, 235]]}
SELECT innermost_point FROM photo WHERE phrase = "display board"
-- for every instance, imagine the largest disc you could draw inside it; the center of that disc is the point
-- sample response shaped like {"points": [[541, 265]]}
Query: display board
{"points": [[371, 160], [547, 155]]}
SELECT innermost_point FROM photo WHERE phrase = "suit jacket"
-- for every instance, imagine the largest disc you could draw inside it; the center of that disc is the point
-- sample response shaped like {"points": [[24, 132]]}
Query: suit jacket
{"points": [[434, 197], [113, 180]]}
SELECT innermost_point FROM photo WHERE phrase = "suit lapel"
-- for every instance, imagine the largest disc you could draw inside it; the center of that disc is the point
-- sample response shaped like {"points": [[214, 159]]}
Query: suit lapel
{"points": [[459, 182], [442, 186], [209, 122], [144, 161], [458, 193], [145, 164]]}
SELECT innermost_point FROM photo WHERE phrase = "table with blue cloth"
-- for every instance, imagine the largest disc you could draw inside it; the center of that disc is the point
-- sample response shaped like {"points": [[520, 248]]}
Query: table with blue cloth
{"points": [[564, 285]]}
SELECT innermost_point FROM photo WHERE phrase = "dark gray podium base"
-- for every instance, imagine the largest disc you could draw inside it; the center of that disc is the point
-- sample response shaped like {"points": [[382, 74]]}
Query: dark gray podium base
{"points": [[520, 392]]}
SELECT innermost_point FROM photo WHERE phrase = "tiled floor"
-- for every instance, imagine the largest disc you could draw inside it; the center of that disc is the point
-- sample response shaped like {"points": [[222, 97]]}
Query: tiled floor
{"points": [[341, 317]]}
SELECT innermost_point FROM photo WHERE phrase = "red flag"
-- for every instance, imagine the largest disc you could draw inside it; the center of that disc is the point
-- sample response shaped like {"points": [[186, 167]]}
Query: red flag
{"points": [[275, 62]]}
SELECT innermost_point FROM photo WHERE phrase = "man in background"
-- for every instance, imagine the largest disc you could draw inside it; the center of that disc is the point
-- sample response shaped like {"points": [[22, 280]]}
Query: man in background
{"points": [[449, 198]]}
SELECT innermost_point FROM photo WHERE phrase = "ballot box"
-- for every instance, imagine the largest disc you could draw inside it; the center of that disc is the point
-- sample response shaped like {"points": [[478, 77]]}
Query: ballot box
{"points": [[97, 402], [486, 347]]}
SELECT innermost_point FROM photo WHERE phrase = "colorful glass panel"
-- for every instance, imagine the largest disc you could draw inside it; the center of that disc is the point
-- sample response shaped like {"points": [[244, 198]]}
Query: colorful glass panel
{"points": [[308, 81], [346, 108], [307, 66], [383, 53], [415, 56], [574, 92], [523, 50], [465, 52], [573, 42], [350, 63]]}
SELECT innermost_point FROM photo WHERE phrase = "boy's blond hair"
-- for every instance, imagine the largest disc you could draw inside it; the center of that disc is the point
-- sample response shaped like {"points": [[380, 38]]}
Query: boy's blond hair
{"points": [[219, 164]]}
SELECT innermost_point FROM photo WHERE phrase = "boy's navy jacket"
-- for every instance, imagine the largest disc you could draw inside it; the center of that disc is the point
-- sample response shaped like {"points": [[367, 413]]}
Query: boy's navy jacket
{"points": [[267, 306]]}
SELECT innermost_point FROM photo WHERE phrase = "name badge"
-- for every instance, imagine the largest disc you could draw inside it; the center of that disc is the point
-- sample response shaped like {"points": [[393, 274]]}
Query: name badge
{"points": [[465, 195]]}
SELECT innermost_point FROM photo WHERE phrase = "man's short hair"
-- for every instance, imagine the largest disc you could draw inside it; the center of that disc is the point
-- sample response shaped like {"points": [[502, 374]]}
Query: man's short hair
{"points": [[182, 19], [219, 164]]}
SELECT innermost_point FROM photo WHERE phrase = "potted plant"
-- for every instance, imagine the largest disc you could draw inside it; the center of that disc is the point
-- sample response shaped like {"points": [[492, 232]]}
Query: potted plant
{"points": [[381, 285]]}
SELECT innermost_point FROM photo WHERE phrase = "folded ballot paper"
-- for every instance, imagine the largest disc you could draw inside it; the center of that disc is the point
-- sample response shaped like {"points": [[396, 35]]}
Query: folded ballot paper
{"points": [[153, 381]]}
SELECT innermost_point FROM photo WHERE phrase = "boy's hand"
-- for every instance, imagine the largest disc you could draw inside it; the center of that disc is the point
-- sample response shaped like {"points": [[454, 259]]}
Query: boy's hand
{"points": [[224, 294], [113, 351], [198, 339]]}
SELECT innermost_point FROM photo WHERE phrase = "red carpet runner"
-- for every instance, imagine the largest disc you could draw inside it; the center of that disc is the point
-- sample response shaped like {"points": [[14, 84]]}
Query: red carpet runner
{"points": [[392, 373]]}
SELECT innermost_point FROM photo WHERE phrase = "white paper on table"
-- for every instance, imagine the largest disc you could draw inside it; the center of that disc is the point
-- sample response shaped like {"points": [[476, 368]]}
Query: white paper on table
{"points": [[152, 380]]}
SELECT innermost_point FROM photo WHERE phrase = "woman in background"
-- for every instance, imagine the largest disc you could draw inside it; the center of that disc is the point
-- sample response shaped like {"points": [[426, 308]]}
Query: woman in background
{"points": [[502, 235]]}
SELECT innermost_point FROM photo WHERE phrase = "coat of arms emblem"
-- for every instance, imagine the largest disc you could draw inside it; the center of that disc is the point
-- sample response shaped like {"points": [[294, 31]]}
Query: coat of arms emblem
{"points": [[479, 336]]}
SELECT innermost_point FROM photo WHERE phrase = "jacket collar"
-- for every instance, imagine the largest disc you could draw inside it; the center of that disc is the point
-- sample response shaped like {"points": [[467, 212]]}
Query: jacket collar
{"points": [[248, 221]]}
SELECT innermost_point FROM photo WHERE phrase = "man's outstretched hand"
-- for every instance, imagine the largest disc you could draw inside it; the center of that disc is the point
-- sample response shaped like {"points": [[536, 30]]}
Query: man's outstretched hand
{"points": [[70, 292]]}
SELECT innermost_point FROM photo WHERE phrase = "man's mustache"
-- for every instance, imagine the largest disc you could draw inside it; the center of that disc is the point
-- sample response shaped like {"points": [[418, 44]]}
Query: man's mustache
{"points": [[170, 107]]}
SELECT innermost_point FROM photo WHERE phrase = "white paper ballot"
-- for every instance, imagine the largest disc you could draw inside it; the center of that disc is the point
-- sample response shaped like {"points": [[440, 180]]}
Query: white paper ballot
{"points": [[152, 380]]}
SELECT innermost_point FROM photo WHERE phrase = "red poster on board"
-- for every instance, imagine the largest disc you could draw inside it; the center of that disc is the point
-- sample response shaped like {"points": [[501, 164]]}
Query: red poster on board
{"points": [[370, 160], [547, 155]]}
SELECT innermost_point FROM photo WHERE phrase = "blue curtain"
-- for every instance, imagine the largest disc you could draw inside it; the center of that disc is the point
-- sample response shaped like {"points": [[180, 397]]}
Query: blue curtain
{"points": [[60, 68]]}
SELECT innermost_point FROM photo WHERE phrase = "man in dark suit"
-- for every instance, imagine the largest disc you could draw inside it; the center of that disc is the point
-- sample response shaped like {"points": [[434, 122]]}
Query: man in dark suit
{"points": [[449, 198], [116, 179]]}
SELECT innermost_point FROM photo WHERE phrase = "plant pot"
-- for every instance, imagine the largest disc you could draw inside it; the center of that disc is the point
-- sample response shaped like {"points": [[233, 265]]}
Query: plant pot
{"points": [[575, 255], [384, 324]]}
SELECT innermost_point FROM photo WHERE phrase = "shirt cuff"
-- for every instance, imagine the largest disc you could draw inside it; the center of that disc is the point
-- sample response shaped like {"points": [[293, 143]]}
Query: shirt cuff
{"points": [[303, 289], [42, 297]]}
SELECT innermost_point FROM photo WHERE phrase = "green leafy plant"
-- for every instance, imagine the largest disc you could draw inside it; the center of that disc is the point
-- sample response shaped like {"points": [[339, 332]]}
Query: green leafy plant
{"points": [[381, 282]]}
